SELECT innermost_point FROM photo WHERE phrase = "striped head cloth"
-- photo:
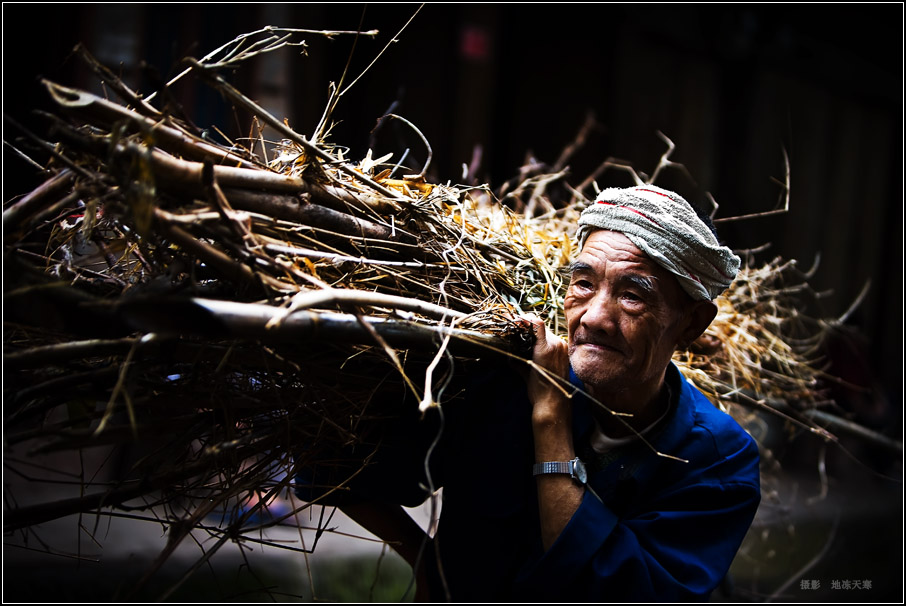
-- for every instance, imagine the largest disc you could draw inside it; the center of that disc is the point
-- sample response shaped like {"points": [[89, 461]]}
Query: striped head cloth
{"points": [[666, 228]]}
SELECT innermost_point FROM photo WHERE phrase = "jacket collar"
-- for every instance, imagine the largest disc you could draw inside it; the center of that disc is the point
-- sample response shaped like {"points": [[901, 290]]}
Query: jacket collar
{"points": [[667, 436]]}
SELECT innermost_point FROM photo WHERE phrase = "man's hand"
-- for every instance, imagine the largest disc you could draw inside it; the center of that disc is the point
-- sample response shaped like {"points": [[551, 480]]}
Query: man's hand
{"points": [[549, 375], [558, 494]]}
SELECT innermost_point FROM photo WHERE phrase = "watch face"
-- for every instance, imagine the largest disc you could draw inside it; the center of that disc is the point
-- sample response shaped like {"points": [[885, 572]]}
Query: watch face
{"points": [[579, 470]]}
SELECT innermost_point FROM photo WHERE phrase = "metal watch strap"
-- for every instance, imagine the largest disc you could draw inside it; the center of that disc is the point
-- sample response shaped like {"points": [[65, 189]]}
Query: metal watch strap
{"points": [[551, 467]]}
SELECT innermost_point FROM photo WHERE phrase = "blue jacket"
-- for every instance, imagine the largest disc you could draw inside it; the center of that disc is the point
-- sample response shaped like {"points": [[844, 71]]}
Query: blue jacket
{"points": [[653, 529]]}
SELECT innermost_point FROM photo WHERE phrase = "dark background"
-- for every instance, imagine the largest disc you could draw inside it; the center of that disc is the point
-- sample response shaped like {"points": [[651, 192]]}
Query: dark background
{"points": [[733, 86]]}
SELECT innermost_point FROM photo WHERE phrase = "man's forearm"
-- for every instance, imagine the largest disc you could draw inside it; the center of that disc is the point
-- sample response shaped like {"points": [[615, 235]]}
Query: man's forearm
{"points": [[559, 496]]}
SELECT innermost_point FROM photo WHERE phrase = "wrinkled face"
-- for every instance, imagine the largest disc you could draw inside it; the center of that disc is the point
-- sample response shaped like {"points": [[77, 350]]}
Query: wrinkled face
{"points": [[625, 315]]}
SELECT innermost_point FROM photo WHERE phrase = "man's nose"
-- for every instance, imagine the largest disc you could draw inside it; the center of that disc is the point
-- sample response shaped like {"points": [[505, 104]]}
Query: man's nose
{"points": [[600, 315]]}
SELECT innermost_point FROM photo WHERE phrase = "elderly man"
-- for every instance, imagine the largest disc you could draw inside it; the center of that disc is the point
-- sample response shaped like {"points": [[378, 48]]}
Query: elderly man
{"points": [[612, 478], [641, 288]]}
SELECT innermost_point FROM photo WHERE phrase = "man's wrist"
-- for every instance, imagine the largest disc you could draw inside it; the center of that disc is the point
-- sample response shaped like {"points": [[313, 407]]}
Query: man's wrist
{"points": [[551, 411]]}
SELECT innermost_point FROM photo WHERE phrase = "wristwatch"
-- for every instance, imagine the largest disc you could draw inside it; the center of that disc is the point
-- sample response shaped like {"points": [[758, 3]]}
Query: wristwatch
{"points": [[575, 468]]}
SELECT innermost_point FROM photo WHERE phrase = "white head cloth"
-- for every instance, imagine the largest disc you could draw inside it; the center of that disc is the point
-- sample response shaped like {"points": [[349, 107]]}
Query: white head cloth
{"points": [[665, 227]]}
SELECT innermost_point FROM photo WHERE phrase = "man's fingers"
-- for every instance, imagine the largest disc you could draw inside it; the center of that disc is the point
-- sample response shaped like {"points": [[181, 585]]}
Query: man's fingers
{"points": [[544, 338], [530, 318], [536, 323]]}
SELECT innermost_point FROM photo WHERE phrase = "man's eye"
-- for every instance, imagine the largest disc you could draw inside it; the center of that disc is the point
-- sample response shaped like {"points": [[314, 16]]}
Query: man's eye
{"points": [[634, 297], [581, 284]]}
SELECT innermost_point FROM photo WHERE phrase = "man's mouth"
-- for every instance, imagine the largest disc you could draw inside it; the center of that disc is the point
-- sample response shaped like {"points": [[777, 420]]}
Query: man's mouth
{"points": [[598, 345]]}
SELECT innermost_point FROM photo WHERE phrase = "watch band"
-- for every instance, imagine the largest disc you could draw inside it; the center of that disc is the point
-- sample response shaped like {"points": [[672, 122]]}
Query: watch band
{"points": [[551, 467]]}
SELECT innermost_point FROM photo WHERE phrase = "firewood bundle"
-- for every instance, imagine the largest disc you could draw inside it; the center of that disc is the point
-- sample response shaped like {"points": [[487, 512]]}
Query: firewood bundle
{"points": [[212, 308]]}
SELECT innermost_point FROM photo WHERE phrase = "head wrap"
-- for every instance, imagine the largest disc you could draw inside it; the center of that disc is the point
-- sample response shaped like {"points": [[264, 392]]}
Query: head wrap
{"points": [[666, 228]]}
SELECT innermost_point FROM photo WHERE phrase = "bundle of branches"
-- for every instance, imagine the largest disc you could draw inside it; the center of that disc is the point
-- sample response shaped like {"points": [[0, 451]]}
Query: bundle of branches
{"points": [[211, 319]]}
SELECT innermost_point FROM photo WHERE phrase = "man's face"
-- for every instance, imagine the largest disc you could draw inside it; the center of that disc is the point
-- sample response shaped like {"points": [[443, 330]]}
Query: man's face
{"points": [[625, 315]]}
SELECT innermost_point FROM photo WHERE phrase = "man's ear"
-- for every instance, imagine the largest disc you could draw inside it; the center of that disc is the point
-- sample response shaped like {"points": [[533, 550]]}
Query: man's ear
{"points": [[700, 316]]}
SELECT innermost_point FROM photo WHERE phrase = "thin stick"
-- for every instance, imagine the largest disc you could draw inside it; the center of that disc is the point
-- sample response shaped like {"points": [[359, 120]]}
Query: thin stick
{"points": [[30, 204], [287, 132], [777, 211], [270, 28], [854, 429], [232, 269], [92, 107], [610, 163], [114, 82], [428, 400], [392, 40], [249, 320], [47, 354], [424, 140], [340, 258], [855, 304], [567, 153], [23, 156], [334, 97], [391, 353], [337, 296], [665, 161]]}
